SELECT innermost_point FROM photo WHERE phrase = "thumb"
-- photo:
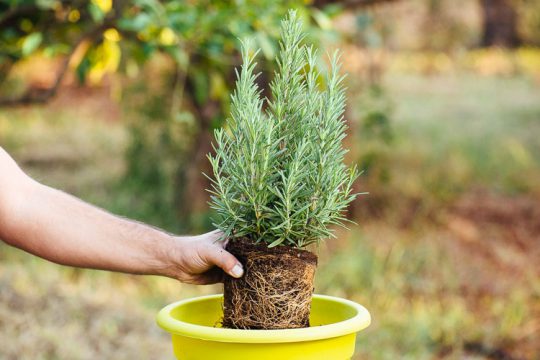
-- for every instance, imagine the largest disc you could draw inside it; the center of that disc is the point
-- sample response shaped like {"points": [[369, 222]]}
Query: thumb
{"points": [[225, 260]]}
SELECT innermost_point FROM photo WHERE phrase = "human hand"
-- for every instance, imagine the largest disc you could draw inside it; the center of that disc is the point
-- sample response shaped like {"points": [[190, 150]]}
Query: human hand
{"points": [[202, 259], [60, 228]]}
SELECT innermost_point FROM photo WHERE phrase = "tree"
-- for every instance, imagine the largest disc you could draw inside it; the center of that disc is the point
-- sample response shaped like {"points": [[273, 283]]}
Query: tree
{"points": [[103, 36], [500, 23]]}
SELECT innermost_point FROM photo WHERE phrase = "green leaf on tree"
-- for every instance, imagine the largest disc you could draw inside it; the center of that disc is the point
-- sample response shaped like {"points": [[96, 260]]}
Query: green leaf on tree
{"points": [[31, 43]]}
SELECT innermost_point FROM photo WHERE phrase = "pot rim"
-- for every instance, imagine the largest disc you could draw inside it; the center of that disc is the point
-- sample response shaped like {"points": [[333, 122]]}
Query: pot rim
{"points": [[359, 321]]}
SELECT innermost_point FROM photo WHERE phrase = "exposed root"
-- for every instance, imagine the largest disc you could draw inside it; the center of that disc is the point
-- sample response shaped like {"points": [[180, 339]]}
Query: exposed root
{"points": [[274, 293]]}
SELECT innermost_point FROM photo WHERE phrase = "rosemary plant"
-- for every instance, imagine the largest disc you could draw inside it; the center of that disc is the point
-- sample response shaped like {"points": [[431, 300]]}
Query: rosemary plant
{"points": [[279, 175]]}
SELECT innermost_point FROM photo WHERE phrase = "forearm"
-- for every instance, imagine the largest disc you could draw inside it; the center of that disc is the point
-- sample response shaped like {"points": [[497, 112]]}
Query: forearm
{"points": [[65, 230], [59, 227]]}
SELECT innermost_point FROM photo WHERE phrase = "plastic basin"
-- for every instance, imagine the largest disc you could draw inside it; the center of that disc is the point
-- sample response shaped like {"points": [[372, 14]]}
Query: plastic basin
{"points": [[196, 333]]}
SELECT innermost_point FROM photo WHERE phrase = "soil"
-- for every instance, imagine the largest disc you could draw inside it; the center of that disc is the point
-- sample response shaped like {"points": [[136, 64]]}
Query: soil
{"points": [[501, 231], [275, 291]]}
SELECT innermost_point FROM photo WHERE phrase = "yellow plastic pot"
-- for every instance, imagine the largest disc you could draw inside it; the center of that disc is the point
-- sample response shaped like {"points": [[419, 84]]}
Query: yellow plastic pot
{"points": [[197, 335]]}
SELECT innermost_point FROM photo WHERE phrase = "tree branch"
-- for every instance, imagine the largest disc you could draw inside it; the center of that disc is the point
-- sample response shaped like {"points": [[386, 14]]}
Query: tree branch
{"points": [[40, 96], [16, 12], [350, 4], [12, 14]]}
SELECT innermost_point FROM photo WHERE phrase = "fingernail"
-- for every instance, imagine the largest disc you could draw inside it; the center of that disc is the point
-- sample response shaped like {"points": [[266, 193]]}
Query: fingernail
{"points": [[237, 271]]}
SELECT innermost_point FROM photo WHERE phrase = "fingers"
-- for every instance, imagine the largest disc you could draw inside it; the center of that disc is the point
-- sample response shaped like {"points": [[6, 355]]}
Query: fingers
{"points": [[212, 276], [216, 237], [225, 260]]}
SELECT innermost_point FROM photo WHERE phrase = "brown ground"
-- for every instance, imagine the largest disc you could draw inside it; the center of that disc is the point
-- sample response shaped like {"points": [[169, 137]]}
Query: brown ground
{"points": [[498, 235]]}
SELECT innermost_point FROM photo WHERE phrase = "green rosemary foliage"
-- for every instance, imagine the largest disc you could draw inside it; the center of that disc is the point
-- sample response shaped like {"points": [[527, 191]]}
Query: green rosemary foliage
{"points": [[279, 176]]}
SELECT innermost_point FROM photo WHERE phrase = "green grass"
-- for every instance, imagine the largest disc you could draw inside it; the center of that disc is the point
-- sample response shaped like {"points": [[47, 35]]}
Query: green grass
{"points": [[423, 299], [433, 288], [464, 131]]}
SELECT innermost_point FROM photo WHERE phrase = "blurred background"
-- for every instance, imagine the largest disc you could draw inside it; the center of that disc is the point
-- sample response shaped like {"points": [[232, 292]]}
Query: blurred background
{"points": [[116, 103]]}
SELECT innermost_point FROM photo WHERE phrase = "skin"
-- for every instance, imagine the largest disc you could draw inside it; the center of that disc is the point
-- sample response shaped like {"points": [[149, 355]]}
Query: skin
{"points": [[63, 229]]}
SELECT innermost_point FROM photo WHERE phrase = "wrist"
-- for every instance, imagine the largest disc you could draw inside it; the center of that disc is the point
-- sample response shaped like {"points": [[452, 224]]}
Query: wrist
{"points": [[170, 254]]}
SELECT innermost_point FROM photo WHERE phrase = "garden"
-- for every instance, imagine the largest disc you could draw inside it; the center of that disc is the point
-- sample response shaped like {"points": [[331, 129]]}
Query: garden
{"points": [[424, 209]]}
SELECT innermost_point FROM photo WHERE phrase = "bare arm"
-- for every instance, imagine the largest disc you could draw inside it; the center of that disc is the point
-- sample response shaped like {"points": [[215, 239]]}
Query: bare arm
{"points": [[63, 229]]}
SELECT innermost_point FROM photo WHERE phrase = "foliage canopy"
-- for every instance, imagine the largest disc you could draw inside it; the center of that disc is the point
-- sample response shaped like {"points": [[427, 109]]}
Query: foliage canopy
{"points": [[279, 175], [99, 37]]}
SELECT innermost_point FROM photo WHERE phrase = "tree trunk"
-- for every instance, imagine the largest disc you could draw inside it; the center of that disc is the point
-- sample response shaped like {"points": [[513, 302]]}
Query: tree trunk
{"points": [[190, 183], [499, 24]]}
